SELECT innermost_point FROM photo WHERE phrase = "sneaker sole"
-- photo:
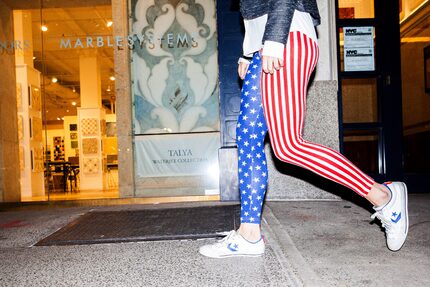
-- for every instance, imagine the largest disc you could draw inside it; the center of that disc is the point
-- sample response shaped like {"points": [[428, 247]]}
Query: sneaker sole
{"points": [[233, 255]]}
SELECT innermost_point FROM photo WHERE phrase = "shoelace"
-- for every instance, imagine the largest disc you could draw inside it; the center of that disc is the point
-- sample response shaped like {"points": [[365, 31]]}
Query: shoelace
{"points": [[229, 236], [385, 222]]}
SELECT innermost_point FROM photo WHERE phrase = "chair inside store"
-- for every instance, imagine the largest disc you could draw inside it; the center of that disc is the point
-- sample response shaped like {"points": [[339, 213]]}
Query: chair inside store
{"points": [[73, 178], [73, 173]]}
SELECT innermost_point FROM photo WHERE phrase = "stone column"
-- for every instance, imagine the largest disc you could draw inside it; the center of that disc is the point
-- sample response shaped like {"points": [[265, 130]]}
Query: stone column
{"points": [[123, 101], [91, 125], [29, 105], [9, 159]]}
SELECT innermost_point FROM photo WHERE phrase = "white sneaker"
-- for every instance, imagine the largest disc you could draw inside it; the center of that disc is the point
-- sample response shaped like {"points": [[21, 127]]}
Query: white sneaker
{"points": [[233, 245], [394, 215]]}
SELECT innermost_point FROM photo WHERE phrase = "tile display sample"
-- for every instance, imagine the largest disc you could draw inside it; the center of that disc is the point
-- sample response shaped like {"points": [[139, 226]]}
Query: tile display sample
{"points": [[38, 159], [20, 128], [103, 127], [91, 165], [90, 146], [74, 144], [18, 96], [37, 129], [21, 158], [89, 127], [111, 129], [36, 102]]}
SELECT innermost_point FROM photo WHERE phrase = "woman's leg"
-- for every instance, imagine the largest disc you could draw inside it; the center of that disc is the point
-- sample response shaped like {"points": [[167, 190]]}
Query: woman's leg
{"points": [[250, 133], [284, 101]]}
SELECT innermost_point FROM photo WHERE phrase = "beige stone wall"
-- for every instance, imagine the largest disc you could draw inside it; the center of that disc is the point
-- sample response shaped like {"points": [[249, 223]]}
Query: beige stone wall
{"points": [[9, 157], [124, 102]]}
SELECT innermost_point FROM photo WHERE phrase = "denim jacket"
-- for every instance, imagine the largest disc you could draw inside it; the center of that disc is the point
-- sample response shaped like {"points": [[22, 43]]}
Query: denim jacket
{"points": [[280, 14]]}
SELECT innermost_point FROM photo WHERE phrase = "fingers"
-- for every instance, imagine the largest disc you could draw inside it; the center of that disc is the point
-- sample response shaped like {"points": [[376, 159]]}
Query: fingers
{"points": [[241, 69], [270, 64]]}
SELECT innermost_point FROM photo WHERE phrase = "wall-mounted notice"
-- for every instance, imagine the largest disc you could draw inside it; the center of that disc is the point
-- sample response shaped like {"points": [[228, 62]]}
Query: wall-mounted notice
{"points": [[359, 49]]}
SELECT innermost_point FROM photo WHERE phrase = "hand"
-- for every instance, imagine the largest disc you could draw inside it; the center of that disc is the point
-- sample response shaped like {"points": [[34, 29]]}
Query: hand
{"points": [[241, 69], [270, 64]]}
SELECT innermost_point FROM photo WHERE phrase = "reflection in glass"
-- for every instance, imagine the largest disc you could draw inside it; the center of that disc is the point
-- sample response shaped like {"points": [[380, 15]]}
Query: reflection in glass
{"points": [[415, 39], [361, 147], [356, 9], [359, 100]]}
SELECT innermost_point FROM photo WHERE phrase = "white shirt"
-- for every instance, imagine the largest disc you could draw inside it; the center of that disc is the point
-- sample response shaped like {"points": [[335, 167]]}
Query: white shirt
{"points": [[254, 32]]}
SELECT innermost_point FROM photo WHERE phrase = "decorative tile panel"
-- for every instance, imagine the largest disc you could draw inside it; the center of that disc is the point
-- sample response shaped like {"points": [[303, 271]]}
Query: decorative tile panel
{"points": [[36, 102], [21, 158], [91, 165], [90, 146], [103, 127], [18, 96], [89, 127], [20, 128], [37, 129], [38, 159]]}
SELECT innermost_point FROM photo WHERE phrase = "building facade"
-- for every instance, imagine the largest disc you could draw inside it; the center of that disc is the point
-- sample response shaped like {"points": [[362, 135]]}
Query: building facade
{"points": [[139, 99]]}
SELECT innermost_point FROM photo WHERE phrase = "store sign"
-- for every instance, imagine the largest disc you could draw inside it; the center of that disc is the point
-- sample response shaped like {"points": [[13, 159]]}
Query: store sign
{"points": [[176, 155], [174, 67], [359, 49]]}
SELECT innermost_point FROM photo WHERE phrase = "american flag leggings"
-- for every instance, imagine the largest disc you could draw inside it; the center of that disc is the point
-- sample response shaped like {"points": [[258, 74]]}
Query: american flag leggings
{"points": [[281, 101]]}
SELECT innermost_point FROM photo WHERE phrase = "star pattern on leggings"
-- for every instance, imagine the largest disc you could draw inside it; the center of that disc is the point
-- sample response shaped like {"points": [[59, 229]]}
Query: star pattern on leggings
{"points": [[251, 130]]}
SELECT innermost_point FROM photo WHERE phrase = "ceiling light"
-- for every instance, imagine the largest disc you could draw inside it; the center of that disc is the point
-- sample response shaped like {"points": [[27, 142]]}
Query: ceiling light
{"points": [[74, 90], [58, 119], [108, 89], [109, 23], [54, 80], [34, 58], [67, 111], [44, 28], [112, 78], [73, 103]]}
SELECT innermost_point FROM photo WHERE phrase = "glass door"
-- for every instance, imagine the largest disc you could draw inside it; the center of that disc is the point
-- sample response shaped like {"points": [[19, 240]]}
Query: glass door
{"points": [[415, 60], [369, 87]]}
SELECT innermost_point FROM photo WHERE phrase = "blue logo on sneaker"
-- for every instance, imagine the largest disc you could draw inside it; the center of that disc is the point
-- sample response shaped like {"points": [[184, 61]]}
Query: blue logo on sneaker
{"points": [[233, 247], [396, 217]]}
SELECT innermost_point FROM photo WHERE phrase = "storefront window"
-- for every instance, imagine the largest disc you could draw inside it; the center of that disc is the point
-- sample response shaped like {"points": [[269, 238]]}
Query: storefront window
{"points": [[175, 96], [66, 84]]}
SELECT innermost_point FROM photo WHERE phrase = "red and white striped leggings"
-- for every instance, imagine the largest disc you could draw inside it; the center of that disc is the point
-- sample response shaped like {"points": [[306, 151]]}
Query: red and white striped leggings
{"points": [[284, 102]]}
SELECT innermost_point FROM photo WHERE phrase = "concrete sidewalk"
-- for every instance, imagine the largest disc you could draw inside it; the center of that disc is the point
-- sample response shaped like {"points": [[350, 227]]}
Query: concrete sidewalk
{"points": [[321, 243]]}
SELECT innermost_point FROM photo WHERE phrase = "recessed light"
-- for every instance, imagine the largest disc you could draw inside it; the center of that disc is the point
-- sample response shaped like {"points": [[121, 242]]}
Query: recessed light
{"points": [[109, 23], [34, 58], [44, 28], [112, 78], [108, 89], [73, 103], [54, 80]]}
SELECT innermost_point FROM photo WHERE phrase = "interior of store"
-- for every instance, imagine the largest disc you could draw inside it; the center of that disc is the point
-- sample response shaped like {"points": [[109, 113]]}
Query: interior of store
{"points": [[67, 117]]}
